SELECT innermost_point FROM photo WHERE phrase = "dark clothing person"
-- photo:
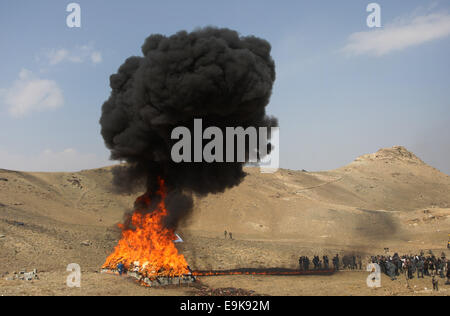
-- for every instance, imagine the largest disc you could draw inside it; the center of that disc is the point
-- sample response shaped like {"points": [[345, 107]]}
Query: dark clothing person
{"points": [[326, 262], [120, 268], [426, 266], [448, 274], [316, 262], [306, 264], [420, 266], [336, 262], [441, 269], [435, 284], [410, 270], [390, 270]]}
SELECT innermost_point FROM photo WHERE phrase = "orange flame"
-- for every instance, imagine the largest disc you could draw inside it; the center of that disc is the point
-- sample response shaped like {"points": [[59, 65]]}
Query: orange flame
{"points": [[149, 248]]}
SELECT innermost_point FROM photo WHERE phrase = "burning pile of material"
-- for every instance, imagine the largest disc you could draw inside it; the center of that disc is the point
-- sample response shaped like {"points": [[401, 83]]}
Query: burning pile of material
{"points": [[147, 251], [211, 74]]}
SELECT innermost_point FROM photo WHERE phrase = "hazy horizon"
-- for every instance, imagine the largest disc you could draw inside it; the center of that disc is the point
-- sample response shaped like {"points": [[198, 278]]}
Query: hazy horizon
{"points": [[342, 90]]}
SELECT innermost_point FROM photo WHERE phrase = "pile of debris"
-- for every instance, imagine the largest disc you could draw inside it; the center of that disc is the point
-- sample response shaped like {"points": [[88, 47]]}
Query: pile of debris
{"points": [[229, 291], [156, 279], [25, 276]]}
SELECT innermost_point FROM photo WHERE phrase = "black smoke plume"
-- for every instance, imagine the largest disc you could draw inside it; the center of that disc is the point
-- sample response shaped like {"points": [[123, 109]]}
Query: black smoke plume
{"points": [[211, 74]]}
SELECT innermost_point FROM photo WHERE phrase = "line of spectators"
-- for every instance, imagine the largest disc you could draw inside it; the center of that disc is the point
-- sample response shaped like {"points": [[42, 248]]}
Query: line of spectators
{"points": [[410, 265], [393, 266]]}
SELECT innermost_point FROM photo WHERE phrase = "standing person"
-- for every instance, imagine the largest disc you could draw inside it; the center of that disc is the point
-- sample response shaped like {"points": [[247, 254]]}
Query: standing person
{"points": [[441, 266], [395, 261], [300, 263], [403, 260], [420, 265], [231, 235], [226, 234], [316, 262], [413, 267], [390, 270], [410, 269], [448, 273], [306, 264], [120, 268], [326, 263], [406, 268], [426, 266], [435, 284], [432, 265], [336, 262], [399, 266]]}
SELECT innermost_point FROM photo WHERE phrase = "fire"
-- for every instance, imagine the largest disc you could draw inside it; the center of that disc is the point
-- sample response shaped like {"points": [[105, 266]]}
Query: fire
{"points": [[148, 248], [267, 271]]}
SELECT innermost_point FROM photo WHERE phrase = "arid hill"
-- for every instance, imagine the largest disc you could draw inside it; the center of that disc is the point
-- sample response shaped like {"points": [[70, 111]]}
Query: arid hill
{"points": [[387, 199]]}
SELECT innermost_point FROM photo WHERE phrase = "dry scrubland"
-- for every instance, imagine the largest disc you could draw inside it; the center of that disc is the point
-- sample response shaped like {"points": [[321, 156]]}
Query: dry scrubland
{"points": [[387, 199]]}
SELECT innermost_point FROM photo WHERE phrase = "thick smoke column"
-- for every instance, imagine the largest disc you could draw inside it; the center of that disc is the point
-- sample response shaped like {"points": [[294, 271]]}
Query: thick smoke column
{"points": [[211, 74]]}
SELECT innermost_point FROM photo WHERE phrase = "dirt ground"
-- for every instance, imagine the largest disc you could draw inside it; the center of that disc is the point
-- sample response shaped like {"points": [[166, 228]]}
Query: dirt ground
{"points": [[350, 283]]}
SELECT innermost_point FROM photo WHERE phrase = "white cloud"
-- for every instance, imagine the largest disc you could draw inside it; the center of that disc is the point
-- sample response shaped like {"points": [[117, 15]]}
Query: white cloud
{"points": [[55, 57], [399, 35], [51, 161], [30, 93], [96, 57], [79, 54]]}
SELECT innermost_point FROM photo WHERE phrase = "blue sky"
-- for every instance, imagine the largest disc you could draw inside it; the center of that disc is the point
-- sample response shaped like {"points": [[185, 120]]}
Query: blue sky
{"points": [[342, 89]]}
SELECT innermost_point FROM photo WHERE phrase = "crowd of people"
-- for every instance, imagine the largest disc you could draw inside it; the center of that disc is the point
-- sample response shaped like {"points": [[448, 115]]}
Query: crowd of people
{"points": [[305, 263], [347, 262], [410, 265], [352, 262], [393, 266]]}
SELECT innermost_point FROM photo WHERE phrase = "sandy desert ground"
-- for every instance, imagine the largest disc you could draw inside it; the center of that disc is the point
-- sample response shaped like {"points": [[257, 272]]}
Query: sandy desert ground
{"points": [[389, 199]]}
